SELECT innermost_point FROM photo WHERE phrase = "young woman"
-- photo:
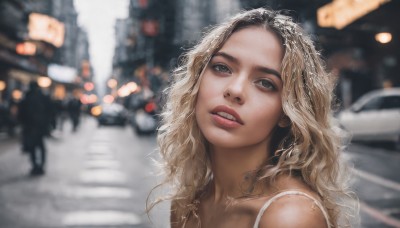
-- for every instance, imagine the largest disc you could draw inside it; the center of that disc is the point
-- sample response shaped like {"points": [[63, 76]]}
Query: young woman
{"points": [[247, 138]]}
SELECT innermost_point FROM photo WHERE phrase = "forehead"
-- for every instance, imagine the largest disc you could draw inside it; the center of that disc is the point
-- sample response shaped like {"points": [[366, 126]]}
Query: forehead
{"points": [[255, 45]]}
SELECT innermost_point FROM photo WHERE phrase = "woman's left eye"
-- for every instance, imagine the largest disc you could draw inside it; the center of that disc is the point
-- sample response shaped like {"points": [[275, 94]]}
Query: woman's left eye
{"points": [[265, 84], [221, 68]]}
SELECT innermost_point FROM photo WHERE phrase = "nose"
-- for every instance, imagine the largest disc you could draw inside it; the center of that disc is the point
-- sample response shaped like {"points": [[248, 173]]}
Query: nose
{"points": [[235, 90]]}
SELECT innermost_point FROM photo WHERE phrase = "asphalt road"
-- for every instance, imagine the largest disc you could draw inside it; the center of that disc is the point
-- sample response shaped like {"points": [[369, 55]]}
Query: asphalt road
{"points": [[101, 177], [95, 177]]}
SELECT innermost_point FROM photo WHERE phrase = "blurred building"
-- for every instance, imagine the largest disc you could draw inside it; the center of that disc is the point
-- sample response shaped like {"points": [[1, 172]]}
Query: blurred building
{"points": [[345, 32], [41, 39], [158, 32]]}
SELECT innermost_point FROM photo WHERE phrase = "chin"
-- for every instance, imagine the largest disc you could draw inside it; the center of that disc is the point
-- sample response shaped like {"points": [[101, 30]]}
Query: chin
{"points": [[221, 140]]}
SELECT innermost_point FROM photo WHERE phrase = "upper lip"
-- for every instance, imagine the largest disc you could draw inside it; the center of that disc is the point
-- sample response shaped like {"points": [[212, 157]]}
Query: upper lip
{"points": [[226, 109]]}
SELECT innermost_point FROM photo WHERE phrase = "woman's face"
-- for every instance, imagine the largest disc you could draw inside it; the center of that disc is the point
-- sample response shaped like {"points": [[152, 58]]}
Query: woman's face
{"points": [[239, 100]]}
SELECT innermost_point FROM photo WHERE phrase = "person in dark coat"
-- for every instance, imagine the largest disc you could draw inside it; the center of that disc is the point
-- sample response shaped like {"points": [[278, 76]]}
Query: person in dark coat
{"points": [[74, 110], [33, 115]]}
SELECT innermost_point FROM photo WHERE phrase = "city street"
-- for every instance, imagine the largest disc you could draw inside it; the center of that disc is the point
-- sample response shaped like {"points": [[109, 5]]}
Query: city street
{"points": [[377, 184], [101, 177], [95, 177]]}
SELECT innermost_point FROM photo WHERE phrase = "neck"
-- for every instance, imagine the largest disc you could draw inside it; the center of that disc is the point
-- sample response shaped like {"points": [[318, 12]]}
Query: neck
{"points": [[232, 169]]}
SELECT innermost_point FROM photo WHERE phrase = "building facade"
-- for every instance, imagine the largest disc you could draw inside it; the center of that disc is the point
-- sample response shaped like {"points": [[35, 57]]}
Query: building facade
{"points": [[38, 36]]}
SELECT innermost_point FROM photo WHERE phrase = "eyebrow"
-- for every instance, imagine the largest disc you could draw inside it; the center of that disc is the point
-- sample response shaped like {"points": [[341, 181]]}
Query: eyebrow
{"points": [[266, 70]]}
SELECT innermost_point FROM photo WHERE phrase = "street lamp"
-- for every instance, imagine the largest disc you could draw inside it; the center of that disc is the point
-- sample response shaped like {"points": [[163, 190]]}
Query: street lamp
{"points": [[383, 37], [44, 82], [108, 99], [112, 83], [2, 85], [16, 94], [89, 86]]}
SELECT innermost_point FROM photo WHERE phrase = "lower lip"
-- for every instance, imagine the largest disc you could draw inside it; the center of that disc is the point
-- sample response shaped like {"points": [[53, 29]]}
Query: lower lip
{"points": [[224, 123]]}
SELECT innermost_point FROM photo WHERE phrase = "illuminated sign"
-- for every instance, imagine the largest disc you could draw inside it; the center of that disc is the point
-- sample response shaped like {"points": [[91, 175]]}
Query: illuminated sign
{"points": [[44, 82], [340, 13], [25, 48], [62, 73], [45, 28], [150, 27]]}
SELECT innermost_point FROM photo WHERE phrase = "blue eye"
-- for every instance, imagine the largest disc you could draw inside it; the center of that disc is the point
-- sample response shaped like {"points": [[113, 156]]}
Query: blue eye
{"points": [[265, 84], [221, 68]]}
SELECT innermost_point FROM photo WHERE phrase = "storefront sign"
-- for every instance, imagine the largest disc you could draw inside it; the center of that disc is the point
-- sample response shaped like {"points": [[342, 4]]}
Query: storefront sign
{"points": [[340, 13], [62, 73], [45, 28], [26, 48]]}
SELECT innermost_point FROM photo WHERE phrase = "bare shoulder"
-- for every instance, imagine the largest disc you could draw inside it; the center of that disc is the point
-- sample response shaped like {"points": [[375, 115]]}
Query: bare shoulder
{"points": [[293, 211]]}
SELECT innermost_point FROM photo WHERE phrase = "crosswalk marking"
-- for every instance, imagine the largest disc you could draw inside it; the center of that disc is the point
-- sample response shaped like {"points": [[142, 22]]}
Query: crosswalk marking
{"points": [[377, 179], [99, 149], [101, 171], [100, 192], [103, 176], [105, 164], [378, 215], [371, 177], [101, 157], [100, 218]]}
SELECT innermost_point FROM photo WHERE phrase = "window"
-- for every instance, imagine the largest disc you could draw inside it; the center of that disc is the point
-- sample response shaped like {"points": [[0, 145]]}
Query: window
{"points": [[391, 102], [373, 104]]}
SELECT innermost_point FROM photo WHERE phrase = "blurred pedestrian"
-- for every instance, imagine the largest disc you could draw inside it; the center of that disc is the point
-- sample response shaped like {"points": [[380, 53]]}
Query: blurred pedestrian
{"points": [[74, 110], [33, 114], [60, 113], [247, 138]]}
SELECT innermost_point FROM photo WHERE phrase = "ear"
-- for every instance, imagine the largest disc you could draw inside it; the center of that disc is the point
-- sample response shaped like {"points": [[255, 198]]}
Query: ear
{"points": [[284, 122]]}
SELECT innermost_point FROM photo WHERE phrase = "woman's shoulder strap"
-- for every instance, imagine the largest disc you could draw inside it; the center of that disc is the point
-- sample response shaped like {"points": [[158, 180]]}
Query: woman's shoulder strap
{"points": [[285, 193]]}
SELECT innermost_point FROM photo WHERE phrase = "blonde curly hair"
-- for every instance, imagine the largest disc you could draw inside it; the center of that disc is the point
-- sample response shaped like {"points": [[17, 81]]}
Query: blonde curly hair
{"points": [[309, 147]]}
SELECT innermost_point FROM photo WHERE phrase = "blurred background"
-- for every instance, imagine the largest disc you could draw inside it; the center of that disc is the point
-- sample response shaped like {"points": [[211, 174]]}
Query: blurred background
{"points": [[101, 66]]}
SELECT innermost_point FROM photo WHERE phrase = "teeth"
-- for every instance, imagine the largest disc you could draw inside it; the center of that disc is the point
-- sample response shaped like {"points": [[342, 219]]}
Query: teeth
{"points": [[226, 115]]}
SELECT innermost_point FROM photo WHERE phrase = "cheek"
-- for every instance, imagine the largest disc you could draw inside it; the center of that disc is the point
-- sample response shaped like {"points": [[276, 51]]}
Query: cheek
{"points": [[267, 117], [208, 89], [200, 103]]}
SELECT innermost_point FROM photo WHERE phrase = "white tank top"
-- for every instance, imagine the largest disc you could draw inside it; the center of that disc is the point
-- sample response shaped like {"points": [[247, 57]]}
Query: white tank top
{"points": [[285, 193]]}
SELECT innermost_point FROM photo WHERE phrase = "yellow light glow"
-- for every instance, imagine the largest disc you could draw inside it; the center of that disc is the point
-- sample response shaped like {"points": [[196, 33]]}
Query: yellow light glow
{"points": [[383, 37], [340, 13], [89, 86], [16, 94], [96, 111], [112, 83], [92, 98], [46, 28], [59, 92], [124, 91], [108, 99], [132, 86], [44, 82], [26, 48], [2, 85]]}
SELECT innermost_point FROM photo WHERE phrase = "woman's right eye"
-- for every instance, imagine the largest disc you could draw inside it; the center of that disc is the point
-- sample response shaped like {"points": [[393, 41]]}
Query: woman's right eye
{"points": [[221, 68]]}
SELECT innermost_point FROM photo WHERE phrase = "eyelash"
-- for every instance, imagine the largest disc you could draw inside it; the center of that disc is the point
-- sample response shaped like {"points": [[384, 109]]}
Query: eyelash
{"points": [[269, 86], [225, 70]]}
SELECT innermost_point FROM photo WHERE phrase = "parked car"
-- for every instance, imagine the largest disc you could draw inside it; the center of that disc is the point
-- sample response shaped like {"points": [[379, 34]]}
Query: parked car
{"points": [[374, 117], [144, 117], [110, 114]]}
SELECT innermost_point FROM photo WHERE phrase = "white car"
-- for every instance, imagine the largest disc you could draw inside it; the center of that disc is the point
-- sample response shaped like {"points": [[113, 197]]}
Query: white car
{"points": [[374, 117]]}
